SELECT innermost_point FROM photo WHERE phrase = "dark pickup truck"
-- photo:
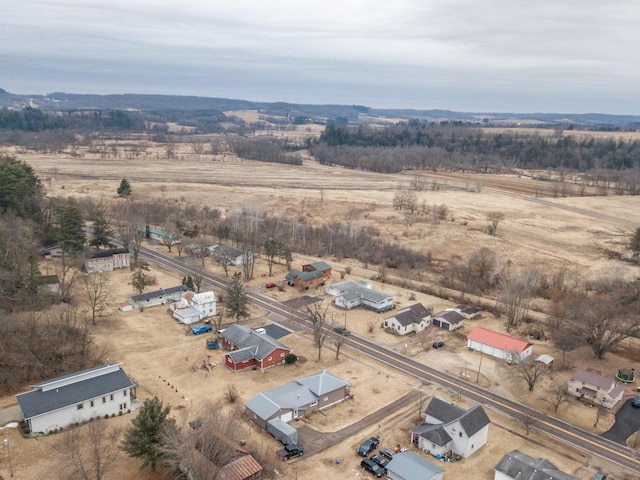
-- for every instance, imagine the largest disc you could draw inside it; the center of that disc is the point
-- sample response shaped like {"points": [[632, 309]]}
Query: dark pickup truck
{"points": [[291, 451], [342, 331]]}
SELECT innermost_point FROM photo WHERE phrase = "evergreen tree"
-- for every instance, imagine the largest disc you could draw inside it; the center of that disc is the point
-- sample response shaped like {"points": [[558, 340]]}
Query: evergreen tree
{"points": [[70, 228], [101, 227], [20, 188], [236, 299], [139, 280], [124, 190], [143, 439]]}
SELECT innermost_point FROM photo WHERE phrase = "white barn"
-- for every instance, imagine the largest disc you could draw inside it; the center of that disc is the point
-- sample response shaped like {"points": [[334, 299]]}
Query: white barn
{"points": [[193, 307], [499, 345], [77, 397]]}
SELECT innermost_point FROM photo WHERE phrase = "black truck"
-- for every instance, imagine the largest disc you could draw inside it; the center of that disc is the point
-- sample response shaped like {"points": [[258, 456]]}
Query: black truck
{"points": [[291, 451]]}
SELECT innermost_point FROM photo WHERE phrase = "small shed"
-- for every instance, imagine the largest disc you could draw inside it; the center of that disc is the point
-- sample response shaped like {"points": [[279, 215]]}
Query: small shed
{"points": [[282, 431], [545, 360]]}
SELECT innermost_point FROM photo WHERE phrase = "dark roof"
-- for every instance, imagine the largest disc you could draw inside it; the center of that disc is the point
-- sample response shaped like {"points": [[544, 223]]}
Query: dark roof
{"points": [[243, 354], [50, 279], [467, 309], [434, 433], [159, 293], [443, 411], [320, 265], [474, 420], [242, 336], [304, 276], [37, 401], [450, 316], [520, 466], [412, 314], [105, 253]]}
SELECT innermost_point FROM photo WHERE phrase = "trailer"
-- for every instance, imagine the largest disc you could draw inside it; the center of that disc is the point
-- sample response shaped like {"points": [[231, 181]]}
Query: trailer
{"points": [[282, 431]]}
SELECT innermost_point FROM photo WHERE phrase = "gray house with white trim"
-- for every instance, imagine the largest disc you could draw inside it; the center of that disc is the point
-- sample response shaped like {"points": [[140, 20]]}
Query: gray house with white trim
{"points": [[414, 318], [298, 398], [158, 297], [77, 397], [516, 465], [448, 428], [350, 294]]}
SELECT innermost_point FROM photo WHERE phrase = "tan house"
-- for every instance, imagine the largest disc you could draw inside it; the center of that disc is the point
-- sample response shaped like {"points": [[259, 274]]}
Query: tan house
{"points": [[591, 387], [106, 260]]}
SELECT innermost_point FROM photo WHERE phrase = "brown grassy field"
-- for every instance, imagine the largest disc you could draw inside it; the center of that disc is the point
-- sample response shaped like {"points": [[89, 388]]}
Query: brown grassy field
{"points": [[157, 352]]}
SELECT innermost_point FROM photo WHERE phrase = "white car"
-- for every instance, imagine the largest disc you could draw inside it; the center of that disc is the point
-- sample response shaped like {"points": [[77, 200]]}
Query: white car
{"points": [[261, 331]]}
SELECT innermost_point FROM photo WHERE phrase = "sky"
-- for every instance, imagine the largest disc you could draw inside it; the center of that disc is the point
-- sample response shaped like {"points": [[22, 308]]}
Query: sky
{"points": [[559, 56]]}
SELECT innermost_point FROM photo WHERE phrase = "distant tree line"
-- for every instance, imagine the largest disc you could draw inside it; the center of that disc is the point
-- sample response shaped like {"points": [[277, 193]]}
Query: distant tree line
{"points": [[264, 150], [417, 145]]}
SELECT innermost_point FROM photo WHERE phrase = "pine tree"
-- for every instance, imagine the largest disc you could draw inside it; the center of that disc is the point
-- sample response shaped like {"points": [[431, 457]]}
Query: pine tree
{"points": [[143, 439], [101, 227], [70, 228], [139, 280], [236, 299], [124, 190]]}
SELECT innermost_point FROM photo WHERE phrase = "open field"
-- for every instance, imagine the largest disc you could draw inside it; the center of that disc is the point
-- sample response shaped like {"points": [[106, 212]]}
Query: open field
{"points": [[157, 352]]}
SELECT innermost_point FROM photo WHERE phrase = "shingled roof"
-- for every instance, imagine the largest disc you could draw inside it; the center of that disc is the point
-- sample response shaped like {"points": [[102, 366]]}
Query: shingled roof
{"points": [[520, 466], [243, 337]]}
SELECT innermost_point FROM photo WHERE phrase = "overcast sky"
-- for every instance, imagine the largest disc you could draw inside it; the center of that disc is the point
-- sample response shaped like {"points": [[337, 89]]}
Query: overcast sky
{"points": [[570, 56]]}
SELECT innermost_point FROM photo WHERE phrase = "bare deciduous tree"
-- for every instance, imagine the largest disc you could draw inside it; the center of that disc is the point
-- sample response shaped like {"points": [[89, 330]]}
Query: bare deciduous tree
{"points": [[530, 371], [557, 395], [89, 452], [317, 315], [494, 219], [516, 296], [97, 293]]}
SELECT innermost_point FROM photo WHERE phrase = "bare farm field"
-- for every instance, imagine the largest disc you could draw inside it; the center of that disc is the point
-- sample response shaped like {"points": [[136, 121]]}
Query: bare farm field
{"points": [[577, 233]]}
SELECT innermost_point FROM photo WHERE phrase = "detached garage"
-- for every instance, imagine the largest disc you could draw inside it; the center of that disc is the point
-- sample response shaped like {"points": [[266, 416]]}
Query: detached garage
{"points": [[499, 345]]}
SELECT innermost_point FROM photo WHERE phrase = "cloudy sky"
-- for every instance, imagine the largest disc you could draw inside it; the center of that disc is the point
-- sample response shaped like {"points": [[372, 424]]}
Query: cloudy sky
{"points": [[572, 56]]}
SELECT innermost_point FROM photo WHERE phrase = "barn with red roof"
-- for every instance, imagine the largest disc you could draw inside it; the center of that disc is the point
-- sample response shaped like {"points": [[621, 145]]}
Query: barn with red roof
{"points": [[499, 345]]}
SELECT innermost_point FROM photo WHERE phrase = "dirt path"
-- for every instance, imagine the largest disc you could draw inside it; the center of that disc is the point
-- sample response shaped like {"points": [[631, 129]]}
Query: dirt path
{"points": [[315, 442]]}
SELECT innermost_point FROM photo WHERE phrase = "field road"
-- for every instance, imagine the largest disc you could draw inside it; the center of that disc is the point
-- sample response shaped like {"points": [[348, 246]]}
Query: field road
{"points": [[563, 431]]}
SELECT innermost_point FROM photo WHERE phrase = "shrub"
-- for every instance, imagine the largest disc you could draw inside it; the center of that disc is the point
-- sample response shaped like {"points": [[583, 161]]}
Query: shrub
{"points": [[291, 358], [232, 393]]}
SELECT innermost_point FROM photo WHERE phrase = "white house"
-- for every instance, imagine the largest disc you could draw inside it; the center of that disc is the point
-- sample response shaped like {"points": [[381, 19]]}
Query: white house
{"points": [[449, 319], [516, 465], [448, 428], [499, 345], [193, 307], [349, 295], [158, 297], [415, 318], [77, 397], [410, 466], [106, 260], [589, 386], [228, 254]]}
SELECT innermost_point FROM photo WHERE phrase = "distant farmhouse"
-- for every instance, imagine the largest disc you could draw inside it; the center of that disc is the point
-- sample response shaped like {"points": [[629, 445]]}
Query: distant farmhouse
{"points": [[415, 318], [52, 248], [449, 319], [250, 349], [77, 397], [159, 235], [450, 429], [311, 275], [591, 387], [158, 297], [193, 307], [499, 345], [297, 399], [350, 295], [228, 254], [96, 261]]}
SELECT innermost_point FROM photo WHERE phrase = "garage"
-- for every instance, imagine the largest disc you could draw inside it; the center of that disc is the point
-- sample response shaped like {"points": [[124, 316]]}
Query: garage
{"points": [[287, 417]]}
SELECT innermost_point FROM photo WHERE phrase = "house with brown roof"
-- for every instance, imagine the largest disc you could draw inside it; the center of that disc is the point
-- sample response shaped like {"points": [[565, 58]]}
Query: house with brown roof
{"points": [[450, 429], [499, 345], [414, 318], [592, 387]]}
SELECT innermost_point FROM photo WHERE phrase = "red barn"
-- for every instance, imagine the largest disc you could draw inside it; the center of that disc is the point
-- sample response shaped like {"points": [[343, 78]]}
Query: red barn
{"points": [[249, 349]]}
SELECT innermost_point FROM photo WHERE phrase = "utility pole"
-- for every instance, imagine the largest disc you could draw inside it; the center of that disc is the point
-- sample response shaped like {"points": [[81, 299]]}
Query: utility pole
{"points": [[479, 367]]}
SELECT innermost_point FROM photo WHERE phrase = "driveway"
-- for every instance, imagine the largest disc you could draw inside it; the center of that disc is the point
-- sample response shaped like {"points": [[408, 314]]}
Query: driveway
{"points": [[627, 423], [10, 414]]}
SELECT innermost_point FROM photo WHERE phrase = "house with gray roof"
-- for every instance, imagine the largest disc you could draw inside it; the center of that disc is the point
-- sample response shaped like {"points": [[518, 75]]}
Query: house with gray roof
{"points": [[228, 254], [298, 398], [592, 387], [449, 319], [77, 397], [158, 297], [450, 429], [350, 295], [250, 349], [516, 465], [193, 307], [106, 260], [414, 318], [410, 466]]}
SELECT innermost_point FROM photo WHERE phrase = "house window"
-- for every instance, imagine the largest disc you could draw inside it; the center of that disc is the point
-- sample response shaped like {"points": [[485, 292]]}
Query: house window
{"points": [[92, 403], [460, 434], [104, 399], [325, 399], [313, 404], [124, 393], [433, 445], [80, 406], [269, 358], [111, 397]]}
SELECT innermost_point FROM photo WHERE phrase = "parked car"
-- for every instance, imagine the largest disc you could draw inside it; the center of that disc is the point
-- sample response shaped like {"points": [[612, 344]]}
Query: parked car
{"points": [[291, 451], [212, 344], [201, 329], [368, 446], [387, 453], [380, 460], [261, 331], [342, 331], [271, 285], [438, 345], [372, 467], [635, 402], [599, 476]]}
